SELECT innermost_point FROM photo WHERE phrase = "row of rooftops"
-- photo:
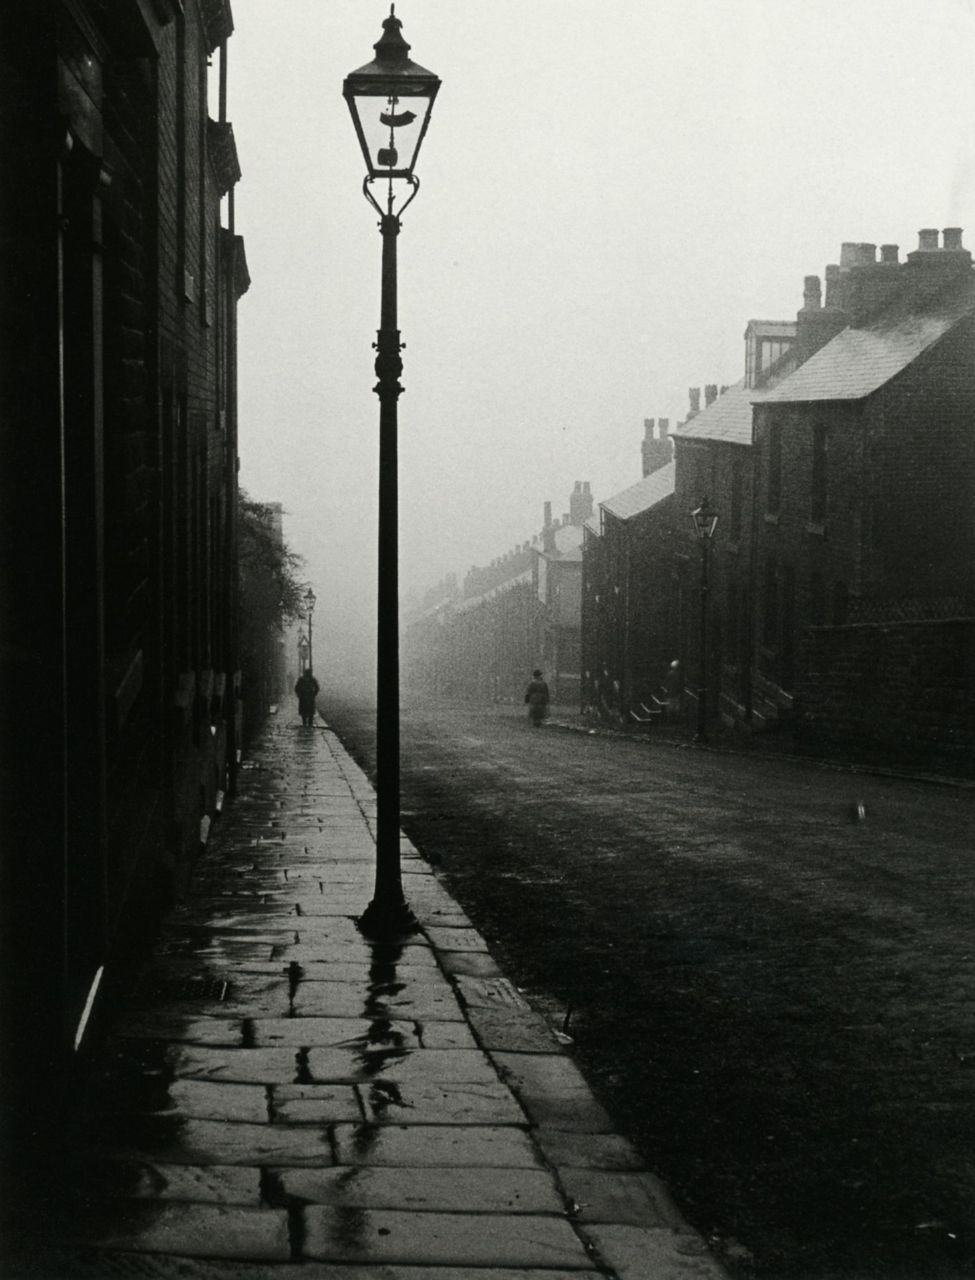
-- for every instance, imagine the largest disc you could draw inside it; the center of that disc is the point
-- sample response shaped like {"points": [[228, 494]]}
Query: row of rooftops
{"points": [[879, 316]]}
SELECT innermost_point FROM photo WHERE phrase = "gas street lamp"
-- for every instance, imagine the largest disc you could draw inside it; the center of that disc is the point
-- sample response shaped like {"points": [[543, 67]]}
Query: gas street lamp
{"points": [[310, 601], [390, 99], [705, 519]]}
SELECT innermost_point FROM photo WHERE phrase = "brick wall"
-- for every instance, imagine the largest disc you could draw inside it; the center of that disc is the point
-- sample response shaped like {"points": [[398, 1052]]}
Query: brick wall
{"points": [[905, 688]]}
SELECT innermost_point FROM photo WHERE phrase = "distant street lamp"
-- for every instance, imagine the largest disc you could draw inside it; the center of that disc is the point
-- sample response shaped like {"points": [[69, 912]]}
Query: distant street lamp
{"points": [[310, 601], [705, 520], [390, 100]]}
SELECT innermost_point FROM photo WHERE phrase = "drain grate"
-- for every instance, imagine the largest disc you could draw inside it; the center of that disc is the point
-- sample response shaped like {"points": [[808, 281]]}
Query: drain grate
{"points": [[203, 987]]}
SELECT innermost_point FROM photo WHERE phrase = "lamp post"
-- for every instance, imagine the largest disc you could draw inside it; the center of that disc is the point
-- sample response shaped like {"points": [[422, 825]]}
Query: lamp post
{"points": [[705, 520], [310, 601], [390, 100]]}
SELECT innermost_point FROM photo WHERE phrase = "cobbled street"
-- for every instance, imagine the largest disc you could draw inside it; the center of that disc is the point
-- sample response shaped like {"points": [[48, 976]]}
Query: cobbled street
{"points": [[770, 988]]}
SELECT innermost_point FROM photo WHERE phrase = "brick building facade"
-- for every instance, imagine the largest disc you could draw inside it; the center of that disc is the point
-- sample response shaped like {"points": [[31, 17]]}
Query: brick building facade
{"points": [[481, 641], [119, 464], [842, 469], [630, 632]]}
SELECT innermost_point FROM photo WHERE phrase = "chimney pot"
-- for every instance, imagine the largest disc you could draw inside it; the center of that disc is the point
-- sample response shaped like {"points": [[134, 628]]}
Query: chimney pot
{"points": [[710, 393], [548, 513], [812, 293], [927, 239], [888, 253], [694, 395], [664, 425], [648, 428], [952, 238]]}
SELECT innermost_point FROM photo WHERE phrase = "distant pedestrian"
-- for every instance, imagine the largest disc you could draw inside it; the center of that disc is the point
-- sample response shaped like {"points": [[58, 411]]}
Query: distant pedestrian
{"points": [[536, 696], [673, 687], [306, 688]]}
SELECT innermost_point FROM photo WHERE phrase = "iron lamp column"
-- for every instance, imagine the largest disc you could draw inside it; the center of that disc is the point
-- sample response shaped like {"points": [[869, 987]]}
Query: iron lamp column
{"points": [[705, 520], [310, 601], [390, 100]]}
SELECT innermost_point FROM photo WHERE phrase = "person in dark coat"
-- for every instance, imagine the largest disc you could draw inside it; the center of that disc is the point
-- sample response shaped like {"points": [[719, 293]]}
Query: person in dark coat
{"points": [[307, 690], [536, 696]]}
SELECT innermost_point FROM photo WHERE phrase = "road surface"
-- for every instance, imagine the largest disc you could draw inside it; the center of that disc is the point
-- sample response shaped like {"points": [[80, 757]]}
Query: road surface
{"points": [[767, 966]]}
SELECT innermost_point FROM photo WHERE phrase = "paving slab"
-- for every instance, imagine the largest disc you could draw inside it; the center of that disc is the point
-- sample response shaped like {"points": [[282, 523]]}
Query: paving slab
{"points": [[149, 1180], [360, 1033], [425, 1189], [511, 1030], [194, 1230], [472, 964], [632, 1199], [491, 993], [639, 1253], [188, 1141], [553, 1091], [427, 1001], [334, 1065], [425, 1102], [318, 1104], [438, 1146], [437, 1240], [450, 939], [606, 1151]]}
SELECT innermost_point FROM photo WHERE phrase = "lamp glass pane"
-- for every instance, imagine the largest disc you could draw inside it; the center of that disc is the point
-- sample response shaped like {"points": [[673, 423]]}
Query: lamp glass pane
{"points": [[392, 126]]}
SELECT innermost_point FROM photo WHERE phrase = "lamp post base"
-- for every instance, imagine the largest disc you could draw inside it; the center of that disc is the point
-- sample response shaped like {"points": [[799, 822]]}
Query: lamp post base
{"points": [[387, 920]]}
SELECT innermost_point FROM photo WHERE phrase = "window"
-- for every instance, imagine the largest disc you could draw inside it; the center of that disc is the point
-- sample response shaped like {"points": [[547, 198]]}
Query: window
{"points": [[817, 506]]}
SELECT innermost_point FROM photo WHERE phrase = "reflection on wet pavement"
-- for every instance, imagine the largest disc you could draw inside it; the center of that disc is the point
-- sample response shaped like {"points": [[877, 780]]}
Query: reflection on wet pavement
{"points": [[279, 1089]]}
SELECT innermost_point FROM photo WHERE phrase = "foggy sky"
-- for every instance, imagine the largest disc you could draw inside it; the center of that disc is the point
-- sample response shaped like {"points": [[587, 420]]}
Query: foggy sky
{"points": [[610, 191]]}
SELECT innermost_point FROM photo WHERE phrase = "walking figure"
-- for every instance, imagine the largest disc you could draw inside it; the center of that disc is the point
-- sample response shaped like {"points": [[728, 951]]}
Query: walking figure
{"points": [[536, 696], [307, 690]]}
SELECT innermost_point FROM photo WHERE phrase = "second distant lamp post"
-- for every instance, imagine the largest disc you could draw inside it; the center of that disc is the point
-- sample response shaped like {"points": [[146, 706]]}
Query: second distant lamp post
{"points": [[310, 601], [390, 99], [705, 519]]}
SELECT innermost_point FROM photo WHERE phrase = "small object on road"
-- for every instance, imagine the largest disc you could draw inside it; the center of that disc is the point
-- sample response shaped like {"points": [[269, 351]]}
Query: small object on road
{"points": [[858, 811]]}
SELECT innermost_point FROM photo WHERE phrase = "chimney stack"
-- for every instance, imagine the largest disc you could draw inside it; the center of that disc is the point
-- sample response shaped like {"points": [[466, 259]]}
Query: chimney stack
{"points": [[694, 396], [858, 254], [927, 240], [888, 254], [656, 453], [832, 285], [952, 238], [710, 393], [812, 293]]}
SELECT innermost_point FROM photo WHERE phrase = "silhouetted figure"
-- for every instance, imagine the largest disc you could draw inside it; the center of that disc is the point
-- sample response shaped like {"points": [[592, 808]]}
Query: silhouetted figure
{"points": [[306, 688], [536, 696]]}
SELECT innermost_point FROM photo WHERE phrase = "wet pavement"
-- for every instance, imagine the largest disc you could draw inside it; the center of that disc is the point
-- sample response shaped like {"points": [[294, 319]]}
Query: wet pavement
{"points": [[281, 1097]]}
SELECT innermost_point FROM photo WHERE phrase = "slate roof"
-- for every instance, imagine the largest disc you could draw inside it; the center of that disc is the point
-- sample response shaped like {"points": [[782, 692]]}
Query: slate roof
{"points": [[857, 362], [643, 495], [727, 418]]}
